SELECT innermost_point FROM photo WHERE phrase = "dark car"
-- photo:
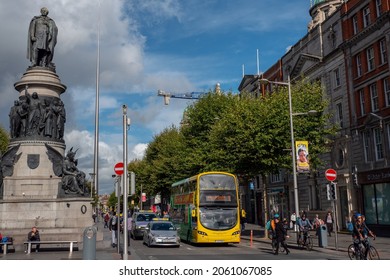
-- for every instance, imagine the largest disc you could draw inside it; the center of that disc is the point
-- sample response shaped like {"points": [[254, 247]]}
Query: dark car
{"points": [[161, 232], [139, 221]]}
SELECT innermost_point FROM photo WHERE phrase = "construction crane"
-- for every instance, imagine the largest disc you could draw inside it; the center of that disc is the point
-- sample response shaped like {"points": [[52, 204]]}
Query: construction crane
{"points": [[185, 95]]}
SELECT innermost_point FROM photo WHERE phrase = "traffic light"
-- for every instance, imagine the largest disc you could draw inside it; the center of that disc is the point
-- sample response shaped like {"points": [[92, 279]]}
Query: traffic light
{"points": [[331, 192], [355, 177]]}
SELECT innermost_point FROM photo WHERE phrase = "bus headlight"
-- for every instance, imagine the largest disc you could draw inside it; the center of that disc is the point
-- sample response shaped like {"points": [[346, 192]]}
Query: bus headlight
{"points": [[202, 233], [236, 232]]}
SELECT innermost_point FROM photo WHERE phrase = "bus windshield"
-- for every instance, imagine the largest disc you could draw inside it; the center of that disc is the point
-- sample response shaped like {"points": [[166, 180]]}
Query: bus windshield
{"points": [[217, 182], [218, 219]]}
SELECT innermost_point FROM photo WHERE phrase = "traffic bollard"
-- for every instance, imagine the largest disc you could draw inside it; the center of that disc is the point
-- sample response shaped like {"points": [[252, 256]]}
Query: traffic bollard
{"points": [[89, 243]]}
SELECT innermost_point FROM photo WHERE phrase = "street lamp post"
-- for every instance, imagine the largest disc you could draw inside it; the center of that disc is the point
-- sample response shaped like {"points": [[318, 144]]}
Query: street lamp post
{"points": [[294, 165], [126, 123]]}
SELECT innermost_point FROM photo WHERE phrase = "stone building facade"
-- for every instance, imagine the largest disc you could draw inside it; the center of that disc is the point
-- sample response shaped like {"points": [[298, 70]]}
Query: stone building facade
{"points": [[346, 48]]}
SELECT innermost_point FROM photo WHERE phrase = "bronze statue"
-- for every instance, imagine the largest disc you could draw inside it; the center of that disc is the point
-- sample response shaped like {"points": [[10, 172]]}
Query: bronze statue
{"points": [[15, 119], [73, 179], [42, 38], [7, 162], [35, 113]]}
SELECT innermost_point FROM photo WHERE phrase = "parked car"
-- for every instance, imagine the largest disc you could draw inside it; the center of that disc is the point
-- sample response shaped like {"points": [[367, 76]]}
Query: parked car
{"points": [[161, 232], [139, 221]]}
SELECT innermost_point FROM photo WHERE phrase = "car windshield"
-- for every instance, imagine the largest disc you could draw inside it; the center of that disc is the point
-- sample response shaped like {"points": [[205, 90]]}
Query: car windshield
{"points": [[145, 217], [162, 226]]}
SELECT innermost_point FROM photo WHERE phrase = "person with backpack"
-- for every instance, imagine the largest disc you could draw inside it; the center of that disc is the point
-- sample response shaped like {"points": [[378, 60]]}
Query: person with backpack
{"points": [[113, 227], [271, 226], [280, 235], [360, 234]]}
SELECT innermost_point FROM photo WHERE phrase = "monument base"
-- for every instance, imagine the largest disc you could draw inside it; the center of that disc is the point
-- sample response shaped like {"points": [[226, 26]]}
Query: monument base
{"points": [[56, 219]]}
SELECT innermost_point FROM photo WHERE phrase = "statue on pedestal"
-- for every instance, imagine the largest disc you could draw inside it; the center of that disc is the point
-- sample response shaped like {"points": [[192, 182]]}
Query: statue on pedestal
{"points": [[42, 38]]}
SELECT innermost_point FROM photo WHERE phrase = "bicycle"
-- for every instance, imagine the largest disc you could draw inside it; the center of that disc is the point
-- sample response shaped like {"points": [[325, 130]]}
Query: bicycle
{"points": [[360, 253], [307, 240]]}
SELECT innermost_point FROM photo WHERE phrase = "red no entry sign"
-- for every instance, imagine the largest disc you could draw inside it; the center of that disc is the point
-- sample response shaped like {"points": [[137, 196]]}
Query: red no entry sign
{"points": [[330, 174], [118, 168]]}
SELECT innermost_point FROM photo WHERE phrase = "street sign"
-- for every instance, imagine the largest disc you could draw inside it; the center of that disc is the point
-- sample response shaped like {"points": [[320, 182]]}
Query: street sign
{"points": [[118, 168], [330, 174]]}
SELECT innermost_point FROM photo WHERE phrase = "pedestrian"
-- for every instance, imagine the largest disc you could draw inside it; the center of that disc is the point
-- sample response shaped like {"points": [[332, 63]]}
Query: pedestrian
{"points": [[329, 222], [280, 235], [113, 227], [106, 220], [317, 222], [243, 220], [293, 219], [33, 235], [129, 228]]}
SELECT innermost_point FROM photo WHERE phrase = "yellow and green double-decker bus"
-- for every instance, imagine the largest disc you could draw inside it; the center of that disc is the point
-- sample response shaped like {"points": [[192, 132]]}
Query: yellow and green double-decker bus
{"points": [[205, 208]]}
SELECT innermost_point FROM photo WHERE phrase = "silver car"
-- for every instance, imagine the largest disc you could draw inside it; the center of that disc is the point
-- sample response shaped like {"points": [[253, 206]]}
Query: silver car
{"points": [[161, 233]]}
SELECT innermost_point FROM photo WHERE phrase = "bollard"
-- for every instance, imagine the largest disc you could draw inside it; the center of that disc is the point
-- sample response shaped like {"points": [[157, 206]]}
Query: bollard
{"points": [[89, 243], [251, 237]]}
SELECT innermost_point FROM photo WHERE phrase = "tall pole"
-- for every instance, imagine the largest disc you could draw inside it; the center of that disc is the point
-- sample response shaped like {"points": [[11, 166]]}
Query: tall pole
{"points": [[96, 143], [118, 210], [125, 183], [294, 165]]}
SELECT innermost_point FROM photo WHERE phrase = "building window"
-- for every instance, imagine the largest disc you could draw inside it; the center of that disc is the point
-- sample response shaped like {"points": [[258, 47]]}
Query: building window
{"points": [[370, 59], [336, 74], [355, 25], [376, 203], [366, 145], [340, 158], [359, 70], [276, 177], [388, 133], [386, 87], [339, 114], [378, 4], [362, 102], [378, 144], [383, 51], [366, 17], [374, 98]]}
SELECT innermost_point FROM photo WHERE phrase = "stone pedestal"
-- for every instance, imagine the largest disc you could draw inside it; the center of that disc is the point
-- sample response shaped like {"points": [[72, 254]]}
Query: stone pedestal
{"points": [[33, 195]]}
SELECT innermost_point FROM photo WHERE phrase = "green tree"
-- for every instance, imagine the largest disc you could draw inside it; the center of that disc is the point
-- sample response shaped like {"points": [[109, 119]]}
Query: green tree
{"points": [[4, 140], [199, 120], [165, 162]]}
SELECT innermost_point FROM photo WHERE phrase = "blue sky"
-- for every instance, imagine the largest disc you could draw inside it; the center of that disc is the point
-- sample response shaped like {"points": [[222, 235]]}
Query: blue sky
{"points": [[146, 45]]}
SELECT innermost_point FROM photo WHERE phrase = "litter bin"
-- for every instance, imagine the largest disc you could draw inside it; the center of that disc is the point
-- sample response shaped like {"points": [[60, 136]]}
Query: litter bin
{"points": [[322, 233], [89, 243]]}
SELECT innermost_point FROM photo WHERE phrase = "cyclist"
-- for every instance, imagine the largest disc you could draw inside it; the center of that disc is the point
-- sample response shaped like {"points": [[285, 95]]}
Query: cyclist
{"points": [[360, 234], [304, 225]]}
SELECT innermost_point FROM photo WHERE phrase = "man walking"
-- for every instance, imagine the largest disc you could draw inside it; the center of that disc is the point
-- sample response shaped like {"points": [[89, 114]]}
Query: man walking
{"points": [[113, 227]]}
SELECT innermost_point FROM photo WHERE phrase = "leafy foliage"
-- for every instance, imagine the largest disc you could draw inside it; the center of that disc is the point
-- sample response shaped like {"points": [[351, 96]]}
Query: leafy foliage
{"points": [[4, 140], [241, 134]]}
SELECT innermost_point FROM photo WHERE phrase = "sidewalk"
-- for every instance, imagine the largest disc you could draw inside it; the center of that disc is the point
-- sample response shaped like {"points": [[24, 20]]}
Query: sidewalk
{"points": [[344, 239], [103, 251]]}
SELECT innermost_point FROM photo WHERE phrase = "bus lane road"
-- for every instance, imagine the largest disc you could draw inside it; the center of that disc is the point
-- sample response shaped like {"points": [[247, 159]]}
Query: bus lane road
{"points": [[242, 251]]}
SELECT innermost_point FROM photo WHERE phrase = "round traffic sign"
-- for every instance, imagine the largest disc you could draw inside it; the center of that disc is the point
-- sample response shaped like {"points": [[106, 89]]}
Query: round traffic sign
{"points": [[118, 168], [330, 174]]}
